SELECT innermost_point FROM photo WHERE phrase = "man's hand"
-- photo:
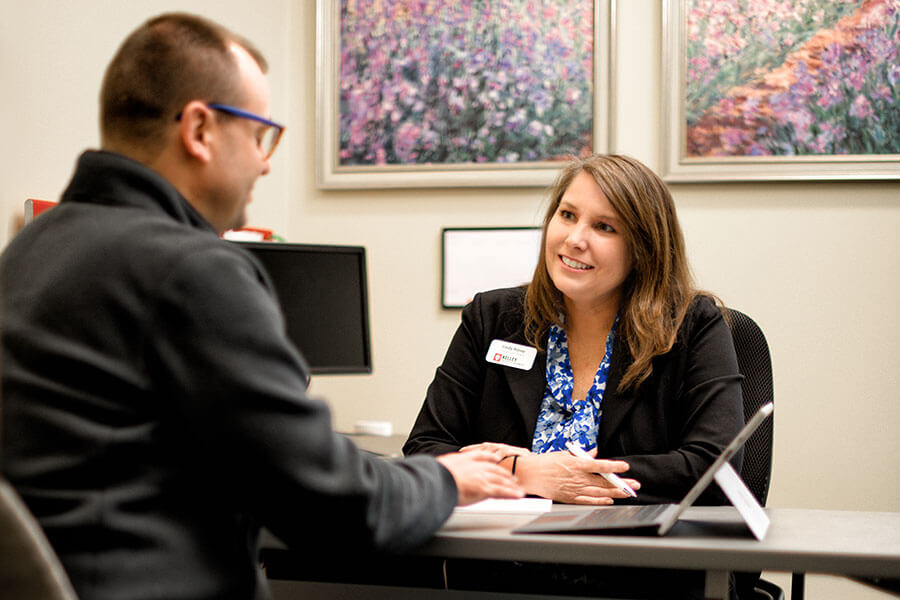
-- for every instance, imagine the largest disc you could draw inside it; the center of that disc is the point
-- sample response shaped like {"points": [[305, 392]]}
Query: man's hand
{"points": [[478, 476]]}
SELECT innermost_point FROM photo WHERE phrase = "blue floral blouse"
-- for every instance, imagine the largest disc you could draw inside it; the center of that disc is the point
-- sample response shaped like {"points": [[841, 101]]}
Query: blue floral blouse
{"points": [[561, 419]]}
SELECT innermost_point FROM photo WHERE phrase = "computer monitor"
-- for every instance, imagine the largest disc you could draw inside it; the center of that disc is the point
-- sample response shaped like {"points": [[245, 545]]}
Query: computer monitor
{"points": [[322, 290]]}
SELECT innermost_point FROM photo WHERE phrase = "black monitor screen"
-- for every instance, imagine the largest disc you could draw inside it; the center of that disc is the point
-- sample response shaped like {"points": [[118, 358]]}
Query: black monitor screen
{"points": [[322, 291]]}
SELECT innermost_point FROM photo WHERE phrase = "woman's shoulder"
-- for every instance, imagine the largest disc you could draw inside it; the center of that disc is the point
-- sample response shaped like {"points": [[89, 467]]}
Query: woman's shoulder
{"points": [[502, 305], [501, 297], [706, 305], [704, 311]]}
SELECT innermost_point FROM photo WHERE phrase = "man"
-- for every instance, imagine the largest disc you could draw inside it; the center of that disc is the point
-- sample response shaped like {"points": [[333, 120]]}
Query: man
{"points": [[155, 413]]}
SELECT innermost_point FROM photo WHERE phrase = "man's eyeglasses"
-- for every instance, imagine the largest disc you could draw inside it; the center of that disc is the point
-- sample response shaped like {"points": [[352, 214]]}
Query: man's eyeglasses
{"points": [[270, 136]]}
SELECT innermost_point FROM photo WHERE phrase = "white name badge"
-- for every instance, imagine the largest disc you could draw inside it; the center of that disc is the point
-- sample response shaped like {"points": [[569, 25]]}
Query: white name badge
{"points": [[511, 355]]}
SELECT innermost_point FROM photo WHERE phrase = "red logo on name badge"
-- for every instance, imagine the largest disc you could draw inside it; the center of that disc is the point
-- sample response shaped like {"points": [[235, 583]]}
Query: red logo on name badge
{"points": [[497, 357]]}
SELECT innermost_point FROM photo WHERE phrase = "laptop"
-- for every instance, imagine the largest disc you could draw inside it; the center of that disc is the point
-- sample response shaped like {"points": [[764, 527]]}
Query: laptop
{"points": [[661, 517]]}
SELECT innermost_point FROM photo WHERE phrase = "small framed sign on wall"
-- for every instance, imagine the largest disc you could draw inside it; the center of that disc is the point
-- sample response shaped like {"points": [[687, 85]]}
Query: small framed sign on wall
{"points": [[485, 258]]}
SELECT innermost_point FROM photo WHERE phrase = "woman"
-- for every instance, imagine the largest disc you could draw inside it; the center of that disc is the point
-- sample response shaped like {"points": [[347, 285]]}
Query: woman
{"points": [[610, 346]]}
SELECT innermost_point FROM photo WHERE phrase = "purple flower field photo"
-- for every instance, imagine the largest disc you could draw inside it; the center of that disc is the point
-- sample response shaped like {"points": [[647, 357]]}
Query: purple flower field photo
{"points": [[792, 78], [464, 82]]}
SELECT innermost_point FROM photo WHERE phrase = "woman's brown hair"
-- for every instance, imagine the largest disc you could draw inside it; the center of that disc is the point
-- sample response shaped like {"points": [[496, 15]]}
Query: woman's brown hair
{"points": [[659, 289]]}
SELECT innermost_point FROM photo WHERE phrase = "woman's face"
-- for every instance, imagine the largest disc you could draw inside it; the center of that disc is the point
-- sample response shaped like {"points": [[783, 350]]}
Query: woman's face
{"points": [[586, 252]]}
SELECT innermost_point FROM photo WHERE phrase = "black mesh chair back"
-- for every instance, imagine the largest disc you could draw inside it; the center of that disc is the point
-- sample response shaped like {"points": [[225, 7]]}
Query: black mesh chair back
{"points": [[755, 364]]}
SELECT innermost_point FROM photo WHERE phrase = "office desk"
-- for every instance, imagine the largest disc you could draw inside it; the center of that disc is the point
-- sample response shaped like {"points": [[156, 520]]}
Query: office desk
{"points": [[711, 539], [389, 446]]}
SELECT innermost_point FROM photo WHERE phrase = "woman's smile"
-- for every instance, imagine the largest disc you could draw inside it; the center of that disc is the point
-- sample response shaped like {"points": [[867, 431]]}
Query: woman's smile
{"points": [[574, 264]]}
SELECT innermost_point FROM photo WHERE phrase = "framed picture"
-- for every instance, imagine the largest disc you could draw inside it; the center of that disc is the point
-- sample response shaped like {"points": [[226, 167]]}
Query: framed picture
{"points": [[485, 258], [808, 91], [459, 94]]}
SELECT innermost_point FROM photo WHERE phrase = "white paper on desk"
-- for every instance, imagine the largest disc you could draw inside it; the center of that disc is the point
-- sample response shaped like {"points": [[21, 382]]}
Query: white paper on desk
{"points": [[512, 506], [743, 500]]}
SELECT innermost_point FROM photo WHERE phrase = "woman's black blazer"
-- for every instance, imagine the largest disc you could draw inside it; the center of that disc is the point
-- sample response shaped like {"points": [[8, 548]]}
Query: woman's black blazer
{"points": [[669, 429]]}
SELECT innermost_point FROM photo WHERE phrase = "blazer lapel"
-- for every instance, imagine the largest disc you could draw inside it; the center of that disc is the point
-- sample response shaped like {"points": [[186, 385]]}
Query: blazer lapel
{"points": [[527, 387], [615, 406]]}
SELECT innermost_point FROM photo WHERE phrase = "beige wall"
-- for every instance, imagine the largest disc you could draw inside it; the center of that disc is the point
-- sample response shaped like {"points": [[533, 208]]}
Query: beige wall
{"points": [[815, 263]]}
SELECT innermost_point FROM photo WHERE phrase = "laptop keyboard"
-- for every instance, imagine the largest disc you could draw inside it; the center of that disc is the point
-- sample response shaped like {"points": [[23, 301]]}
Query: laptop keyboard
{"points": [[623, 515]]}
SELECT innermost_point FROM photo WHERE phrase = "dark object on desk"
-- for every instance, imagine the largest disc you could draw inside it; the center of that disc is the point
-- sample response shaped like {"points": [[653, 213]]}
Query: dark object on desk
{"points": [[323, 294], [29, 569], [34, 207]]}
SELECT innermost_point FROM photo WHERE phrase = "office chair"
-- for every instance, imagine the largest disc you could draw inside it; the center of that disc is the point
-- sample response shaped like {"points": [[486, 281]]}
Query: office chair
{"points": [[755, 364], [29, 569]]}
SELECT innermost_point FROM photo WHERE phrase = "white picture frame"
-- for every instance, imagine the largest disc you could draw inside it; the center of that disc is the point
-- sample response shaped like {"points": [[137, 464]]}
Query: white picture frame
{"points": [[330, 174], [477, 259], [679, 164]]}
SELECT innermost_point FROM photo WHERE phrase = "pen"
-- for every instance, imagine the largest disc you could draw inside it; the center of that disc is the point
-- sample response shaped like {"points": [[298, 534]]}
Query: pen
{"points": [[610, 477]]}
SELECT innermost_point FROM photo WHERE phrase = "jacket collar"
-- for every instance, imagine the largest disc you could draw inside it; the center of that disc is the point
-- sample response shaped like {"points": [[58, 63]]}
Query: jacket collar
{"points": [[615, 405], [527, 388], [110, 179]]}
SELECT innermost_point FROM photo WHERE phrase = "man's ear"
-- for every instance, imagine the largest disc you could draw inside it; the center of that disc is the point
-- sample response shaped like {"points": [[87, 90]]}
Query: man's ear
{"points": [[195, 130]]}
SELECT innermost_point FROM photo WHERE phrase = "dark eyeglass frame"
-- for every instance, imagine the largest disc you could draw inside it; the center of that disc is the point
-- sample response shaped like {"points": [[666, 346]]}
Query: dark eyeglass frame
{"points": [[237, 112]]}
